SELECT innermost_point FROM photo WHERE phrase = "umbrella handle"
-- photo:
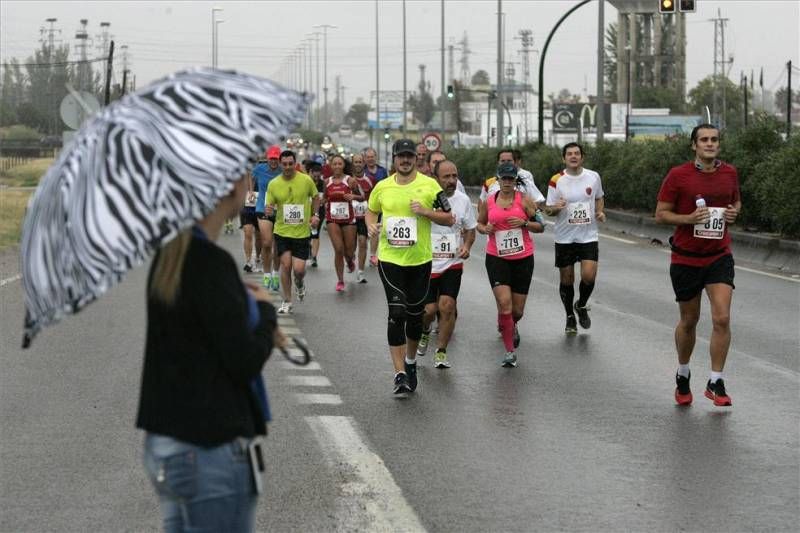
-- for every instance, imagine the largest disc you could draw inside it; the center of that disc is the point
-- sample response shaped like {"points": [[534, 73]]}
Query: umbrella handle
{"points": [[302, 361]]}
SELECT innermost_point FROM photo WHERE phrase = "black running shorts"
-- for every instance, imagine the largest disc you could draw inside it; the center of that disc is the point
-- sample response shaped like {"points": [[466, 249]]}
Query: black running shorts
{"points": [[361, 227], [247, 217], [447, 284], [567, 254], [300, 248], [263, 216], [689, 281], [516, 273]]}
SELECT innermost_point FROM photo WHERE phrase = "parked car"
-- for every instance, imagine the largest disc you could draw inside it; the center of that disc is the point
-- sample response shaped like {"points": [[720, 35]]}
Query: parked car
{"points": [[345, 130]]}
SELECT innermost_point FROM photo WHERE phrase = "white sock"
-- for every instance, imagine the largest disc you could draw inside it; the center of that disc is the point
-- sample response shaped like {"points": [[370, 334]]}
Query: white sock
{"points": [[714, 376], [683, 371], [411, 361]]}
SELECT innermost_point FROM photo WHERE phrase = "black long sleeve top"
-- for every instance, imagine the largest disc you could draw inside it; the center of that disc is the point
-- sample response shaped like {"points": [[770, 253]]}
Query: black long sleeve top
{"points": [[201, 356]]}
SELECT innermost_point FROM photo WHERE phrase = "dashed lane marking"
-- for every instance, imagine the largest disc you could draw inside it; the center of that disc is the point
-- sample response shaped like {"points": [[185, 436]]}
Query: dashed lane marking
{"points": [[368, 499], [309, 381], [318, 399]]}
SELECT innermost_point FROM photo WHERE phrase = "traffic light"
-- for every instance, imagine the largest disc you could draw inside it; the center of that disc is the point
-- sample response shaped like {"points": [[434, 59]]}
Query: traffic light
{"points": [[687, 6], [386, 134], [666, 6], [450, 92]]}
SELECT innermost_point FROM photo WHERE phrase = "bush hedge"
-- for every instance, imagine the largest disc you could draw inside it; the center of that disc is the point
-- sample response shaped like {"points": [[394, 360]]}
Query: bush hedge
{"points": [[768, 166]]}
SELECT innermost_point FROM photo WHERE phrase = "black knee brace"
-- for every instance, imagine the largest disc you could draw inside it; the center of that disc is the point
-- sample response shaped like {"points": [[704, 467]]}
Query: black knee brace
{"points": [[395, 332]]}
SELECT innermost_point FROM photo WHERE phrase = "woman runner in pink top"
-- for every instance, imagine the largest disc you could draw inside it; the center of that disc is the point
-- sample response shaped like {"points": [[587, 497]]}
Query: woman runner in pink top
{"points": [[507, 218]]}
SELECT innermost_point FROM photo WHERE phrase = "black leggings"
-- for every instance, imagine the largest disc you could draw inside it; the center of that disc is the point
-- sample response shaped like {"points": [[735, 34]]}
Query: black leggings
{"points": [[406, 289]]}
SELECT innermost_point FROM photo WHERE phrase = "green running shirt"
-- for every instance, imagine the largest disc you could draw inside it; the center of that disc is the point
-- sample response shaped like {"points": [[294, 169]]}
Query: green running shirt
{"points": [[405, 238], [292, 199]]}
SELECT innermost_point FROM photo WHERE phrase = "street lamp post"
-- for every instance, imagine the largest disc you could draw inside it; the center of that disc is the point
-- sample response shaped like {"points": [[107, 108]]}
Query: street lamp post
{"points": [[216, 42], [214, 36], [325, 70], [315, 36]]}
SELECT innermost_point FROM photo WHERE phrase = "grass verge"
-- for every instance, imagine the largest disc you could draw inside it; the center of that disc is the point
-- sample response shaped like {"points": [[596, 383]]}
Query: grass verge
{"points": [[27, 175], [12, 210]]}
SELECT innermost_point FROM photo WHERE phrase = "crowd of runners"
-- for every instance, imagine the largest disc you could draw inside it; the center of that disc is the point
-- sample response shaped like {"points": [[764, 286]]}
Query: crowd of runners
{"points": [[415, 224]]}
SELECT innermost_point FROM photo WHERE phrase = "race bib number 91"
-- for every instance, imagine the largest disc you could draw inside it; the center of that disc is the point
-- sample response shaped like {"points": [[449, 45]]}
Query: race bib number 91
{"points": [[401, 232], [444, 245], [714, 228]]}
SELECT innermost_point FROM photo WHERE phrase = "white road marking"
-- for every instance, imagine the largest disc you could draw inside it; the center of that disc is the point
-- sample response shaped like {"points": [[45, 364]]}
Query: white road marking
{"points": [[309, 381], [290, 331], [286, 365], [318, 399], [619, 239], [368, 499], [10, 280], [768, 274]]}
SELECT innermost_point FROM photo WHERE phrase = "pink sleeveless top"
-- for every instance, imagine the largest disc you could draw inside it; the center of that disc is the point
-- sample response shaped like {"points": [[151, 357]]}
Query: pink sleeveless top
{"points": [[508, 242]]}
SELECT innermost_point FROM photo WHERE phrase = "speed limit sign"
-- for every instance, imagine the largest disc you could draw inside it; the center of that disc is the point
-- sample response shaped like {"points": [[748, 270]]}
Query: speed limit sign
{"points": [[432, 141]]}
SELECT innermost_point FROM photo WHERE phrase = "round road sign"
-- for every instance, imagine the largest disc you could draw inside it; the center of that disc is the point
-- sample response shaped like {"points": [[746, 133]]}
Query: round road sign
{"points": [[432, 141]]}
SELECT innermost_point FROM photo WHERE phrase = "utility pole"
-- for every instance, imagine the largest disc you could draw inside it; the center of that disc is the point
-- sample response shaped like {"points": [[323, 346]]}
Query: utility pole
{"points": [[326, 113], [51, 50], [744, 88], [500, 130], [104, 38], [527, 41], [601, 60], [443, 97], [124, 49], [377, 83], [316, 35], [789, 99], [465, 52], [337, 103], [405, 73], [720, 70], [82, 36], [109, 66]]}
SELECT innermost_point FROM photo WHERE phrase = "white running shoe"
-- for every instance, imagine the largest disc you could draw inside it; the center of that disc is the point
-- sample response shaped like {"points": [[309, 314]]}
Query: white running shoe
{"points": [[360, 277], [285, 308], [300, 285]]}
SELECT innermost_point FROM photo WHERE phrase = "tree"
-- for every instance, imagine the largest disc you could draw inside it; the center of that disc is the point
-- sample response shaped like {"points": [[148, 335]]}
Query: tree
{"points": [[422, 104], [357, 115], [702, 95], [481, 78], [780, 100], [658, 97]]}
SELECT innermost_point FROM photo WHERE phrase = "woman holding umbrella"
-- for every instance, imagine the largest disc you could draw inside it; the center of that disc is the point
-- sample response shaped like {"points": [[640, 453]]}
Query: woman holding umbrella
{"points": [[161, 169], [202, 400]]}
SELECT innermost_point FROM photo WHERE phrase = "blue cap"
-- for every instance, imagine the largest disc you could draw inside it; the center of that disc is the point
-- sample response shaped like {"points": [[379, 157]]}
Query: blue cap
{"points": [[507, 170]]}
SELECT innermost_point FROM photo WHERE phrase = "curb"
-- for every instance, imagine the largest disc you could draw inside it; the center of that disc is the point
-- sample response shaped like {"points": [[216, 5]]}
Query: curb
{"points": [[764, 249]]}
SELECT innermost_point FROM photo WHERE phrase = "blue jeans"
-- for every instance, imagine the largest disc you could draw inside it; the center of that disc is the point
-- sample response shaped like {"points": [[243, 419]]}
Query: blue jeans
{"points": [[201, 489]]}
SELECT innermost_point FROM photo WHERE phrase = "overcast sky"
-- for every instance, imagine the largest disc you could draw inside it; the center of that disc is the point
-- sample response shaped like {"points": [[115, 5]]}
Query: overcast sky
{"points": [[257, 37]]}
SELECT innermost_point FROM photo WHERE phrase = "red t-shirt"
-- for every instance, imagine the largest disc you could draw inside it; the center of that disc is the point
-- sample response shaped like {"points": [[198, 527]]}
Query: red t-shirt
{"points": [[681, 187], [337, 209], [366, 188]]}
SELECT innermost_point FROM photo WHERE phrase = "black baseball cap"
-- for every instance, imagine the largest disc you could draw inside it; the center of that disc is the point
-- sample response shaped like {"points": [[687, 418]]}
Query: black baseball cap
{"points": [[506, 170], [404, 146]]}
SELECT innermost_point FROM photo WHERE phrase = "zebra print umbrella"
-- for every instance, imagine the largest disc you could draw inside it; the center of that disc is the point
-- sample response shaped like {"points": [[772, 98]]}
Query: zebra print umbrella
{"points": [[135, 175]]}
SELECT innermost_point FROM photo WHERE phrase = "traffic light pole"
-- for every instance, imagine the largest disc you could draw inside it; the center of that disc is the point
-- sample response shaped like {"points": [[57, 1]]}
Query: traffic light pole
{"points": [[541, 67]]}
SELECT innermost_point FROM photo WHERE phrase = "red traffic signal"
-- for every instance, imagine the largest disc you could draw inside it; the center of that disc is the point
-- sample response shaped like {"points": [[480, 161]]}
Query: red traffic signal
{"points": [[666, 6]]}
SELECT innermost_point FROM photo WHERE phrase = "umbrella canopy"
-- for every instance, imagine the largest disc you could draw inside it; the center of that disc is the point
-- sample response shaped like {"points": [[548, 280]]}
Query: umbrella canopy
{"points": [[142, 170]]}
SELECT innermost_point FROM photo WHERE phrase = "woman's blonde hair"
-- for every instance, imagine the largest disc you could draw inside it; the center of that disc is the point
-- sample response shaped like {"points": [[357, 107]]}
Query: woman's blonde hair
{"points": [[167, 272]]}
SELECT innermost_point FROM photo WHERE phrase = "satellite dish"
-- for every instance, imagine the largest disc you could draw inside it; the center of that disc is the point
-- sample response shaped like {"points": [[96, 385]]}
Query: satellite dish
{"points": [[77, 107]]}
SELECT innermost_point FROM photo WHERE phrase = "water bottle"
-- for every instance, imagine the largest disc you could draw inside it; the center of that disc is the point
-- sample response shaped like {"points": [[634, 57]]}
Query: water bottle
{"points": [[539, 218], [699, 201]]}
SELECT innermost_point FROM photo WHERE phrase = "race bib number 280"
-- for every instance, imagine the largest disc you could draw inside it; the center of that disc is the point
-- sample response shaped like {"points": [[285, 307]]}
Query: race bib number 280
{"points": [[293, 214]]}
